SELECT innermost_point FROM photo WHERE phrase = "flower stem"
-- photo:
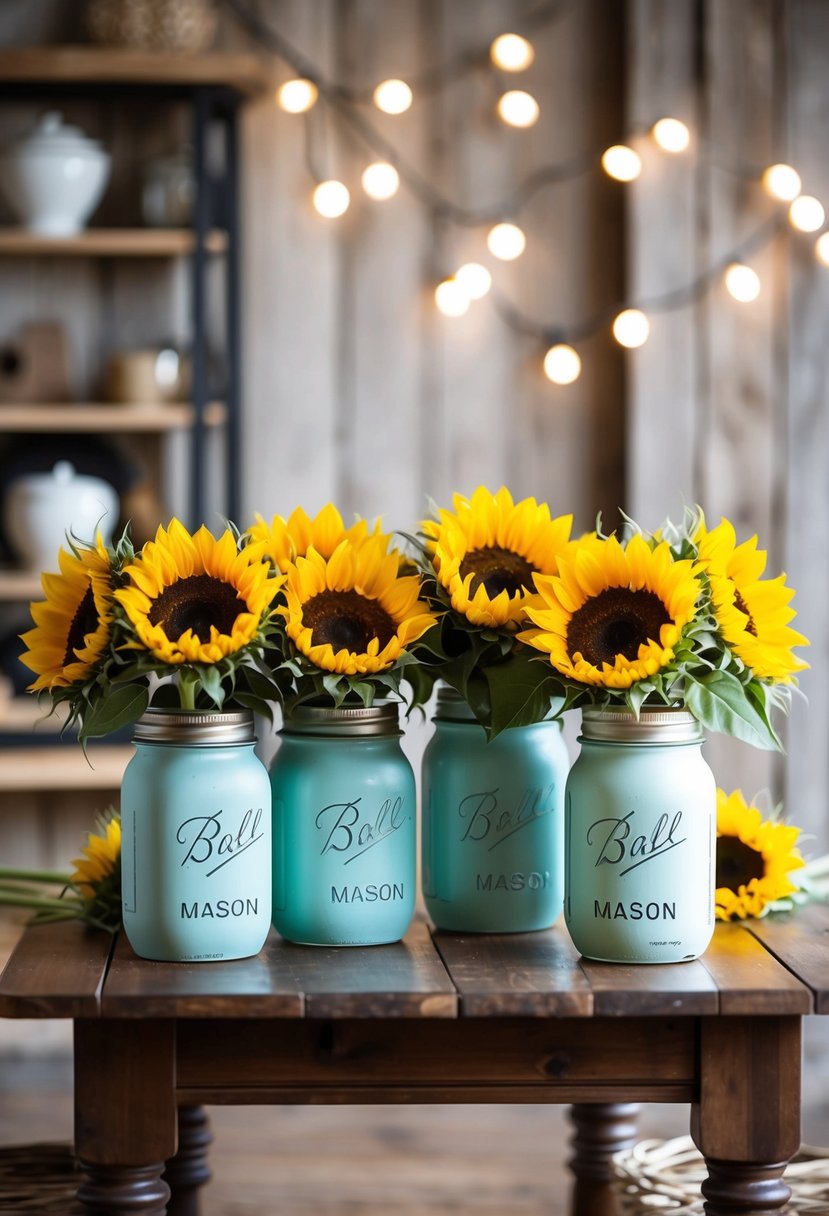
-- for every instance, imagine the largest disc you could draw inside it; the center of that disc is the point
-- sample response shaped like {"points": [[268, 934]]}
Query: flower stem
{"points": [[187, 689], [48, 876], [18, 900]]}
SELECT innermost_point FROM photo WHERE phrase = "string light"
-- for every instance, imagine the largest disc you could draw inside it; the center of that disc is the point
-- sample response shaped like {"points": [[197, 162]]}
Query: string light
{"points": [[451, 298], [393, 96], [475, 279], [622, 163], [512, 53], [806, 213], [331, 199], [782, 182], [742, 282], [631, 328], [297, 96], [562, 364], [380, 180], [822, 248], [518, 109], [506, 241], [671, 134]]}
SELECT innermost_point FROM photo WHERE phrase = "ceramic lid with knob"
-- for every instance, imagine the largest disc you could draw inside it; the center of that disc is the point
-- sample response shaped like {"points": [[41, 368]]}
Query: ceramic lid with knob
{"points": [[52, 135]]}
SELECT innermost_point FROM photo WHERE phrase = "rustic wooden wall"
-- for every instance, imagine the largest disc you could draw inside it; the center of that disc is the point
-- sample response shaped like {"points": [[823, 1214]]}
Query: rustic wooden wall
{"points": [[727, 402]]}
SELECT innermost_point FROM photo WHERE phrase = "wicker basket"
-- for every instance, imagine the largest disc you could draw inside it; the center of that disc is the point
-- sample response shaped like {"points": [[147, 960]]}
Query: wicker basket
{"points": [[38, 1180], [665, 1176]]}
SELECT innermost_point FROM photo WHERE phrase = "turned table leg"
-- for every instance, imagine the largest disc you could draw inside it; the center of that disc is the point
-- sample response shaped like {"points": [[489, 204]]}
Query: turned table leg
{"points": [[747, 1121], [188, 1170], [601, 1129], [125, 1114]]}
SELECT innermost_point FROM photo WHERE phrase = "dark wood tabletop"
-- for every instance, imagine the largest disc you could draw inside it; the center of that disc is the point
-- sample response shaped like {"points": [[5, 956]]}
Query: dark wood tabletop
{"points": [[438, 1017]]}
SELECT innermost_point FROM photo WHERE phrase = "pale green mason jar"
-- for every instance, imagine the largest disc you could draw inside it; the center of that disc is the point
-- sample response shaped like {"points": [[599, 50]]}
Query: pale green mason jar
{"points": [[640, 838], [196, 838], [492, 845], [344, 850]]}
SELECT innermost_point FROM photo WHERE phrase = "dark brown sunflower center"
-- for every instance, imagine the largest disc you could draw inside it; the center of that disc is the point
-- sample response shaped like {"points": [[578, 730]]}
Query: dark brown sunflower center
{"points": [[616, 621], [347, 620], [741, 606], [84, 621], [196, 603], [737, 863], [497, 570]]}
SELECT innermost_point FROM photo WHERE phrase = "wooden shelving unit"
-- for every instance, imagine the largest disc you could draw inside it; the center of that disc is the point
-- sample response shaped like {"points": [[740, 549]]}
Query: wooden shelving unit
{"points": [[102, 65], [62, 767], [109, 242], [91, 416]]}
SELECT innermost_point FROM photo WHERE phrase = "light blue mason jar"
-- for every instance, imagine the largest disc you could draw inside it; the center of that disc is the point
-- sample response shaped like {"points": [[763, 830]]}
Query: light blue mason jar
{"points": [[492, 844], [196, 838], [640, 838], [344, 871]]}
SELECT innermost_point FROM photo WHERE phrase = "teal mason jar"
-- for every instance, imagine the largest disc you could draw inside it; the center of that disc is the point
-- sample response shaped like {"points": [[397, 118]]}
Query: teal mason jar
{"points": [[493, 823], [196, 838], [344, 871], [640, 838]]}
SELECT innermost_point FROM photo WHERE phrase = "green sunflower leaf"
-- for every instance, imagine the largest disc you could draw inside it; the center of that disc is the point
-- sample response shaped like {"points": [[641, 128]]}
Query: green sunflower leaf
{"points": [[720, 702], [521, 690], [117, 709]]}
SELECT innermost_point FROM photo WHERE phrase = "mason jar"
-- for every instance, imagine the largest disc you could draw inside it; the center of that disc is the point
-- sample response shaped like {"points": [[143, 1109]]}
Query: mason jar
{"points": [[492, 848], [344, 860], [640, 838], [196, 838]]}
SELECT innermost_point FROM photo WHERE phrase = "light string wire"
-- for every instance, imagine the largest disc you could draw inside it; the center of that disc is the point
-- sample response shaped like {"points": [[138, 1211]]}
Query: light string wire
{"points": [[345, 101]]}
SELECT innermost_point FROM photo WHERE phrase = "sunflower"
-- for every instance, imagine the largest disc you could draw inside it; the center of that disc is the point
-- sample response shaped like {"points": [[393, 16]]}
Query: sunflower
{"points": [[755, 858], [72, 626], [613, 614], [353, 613], [283, 541], [100, 861], [196, 599], [753, 613], [486, 553]]}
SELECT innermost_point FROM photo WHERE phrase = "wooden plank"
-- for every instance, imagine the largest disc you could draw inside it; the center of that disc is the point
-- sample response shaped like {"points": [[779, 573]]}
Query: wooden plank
{"points": [[246, 73], [55, 971], [73, 416], [749, 978], [800, 940], [258, 987], [62, 767], [436, 1057], [664, 989], [404, 980], [107, 242], [526, 974]]}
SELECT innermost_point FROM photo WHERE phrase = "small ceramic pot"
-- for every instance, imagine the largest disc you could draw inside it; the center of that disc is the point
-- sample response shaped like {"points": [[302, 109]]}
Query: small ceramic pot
{"points": [[42, 508], [53, 178]]}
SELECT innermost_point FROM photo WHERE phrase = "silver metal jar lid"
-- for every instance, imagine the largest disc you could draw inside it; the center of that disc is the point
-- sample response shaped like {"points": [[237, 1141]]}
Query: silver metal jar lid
{"points": [[351, 720], [451, 707], [195, 728], [619, 725]]}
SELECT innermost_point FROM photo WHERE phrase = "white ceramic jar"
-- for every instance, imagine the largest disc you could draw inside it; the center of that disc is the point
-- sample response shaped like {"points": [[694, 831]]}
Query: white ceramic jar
{"points": [[54, 178], [41, 508]]}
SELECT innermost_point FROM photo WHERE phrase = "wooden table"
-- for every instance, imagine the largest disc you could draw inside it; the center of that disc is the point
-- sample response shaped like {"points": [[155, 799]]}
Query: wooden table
{"points": [[436, 1018]]}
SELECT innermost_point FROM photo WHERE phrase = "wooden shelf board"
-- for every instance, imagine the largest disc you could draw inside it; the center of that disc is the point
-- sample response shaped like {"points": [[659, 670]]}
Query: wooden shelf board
{"points": [[20, 585], [245, 73], [101, 416], [62, 767], [108, 242]]}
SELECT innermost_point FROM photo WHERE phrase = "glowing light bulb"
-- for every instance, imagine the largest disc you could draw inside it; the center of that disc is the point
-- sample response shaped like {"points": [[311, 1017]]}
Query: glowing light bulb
{"points": [[380, 180], [742, 282], [331, 199], [393, 96], [297, 96], [562, 364], [622, 163], [451, 298], [506, 241], [822, 248], [806, 213], [671, 134], [518, 109], [475, 279], [783, 182], [511, 52], [631, 328]]}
